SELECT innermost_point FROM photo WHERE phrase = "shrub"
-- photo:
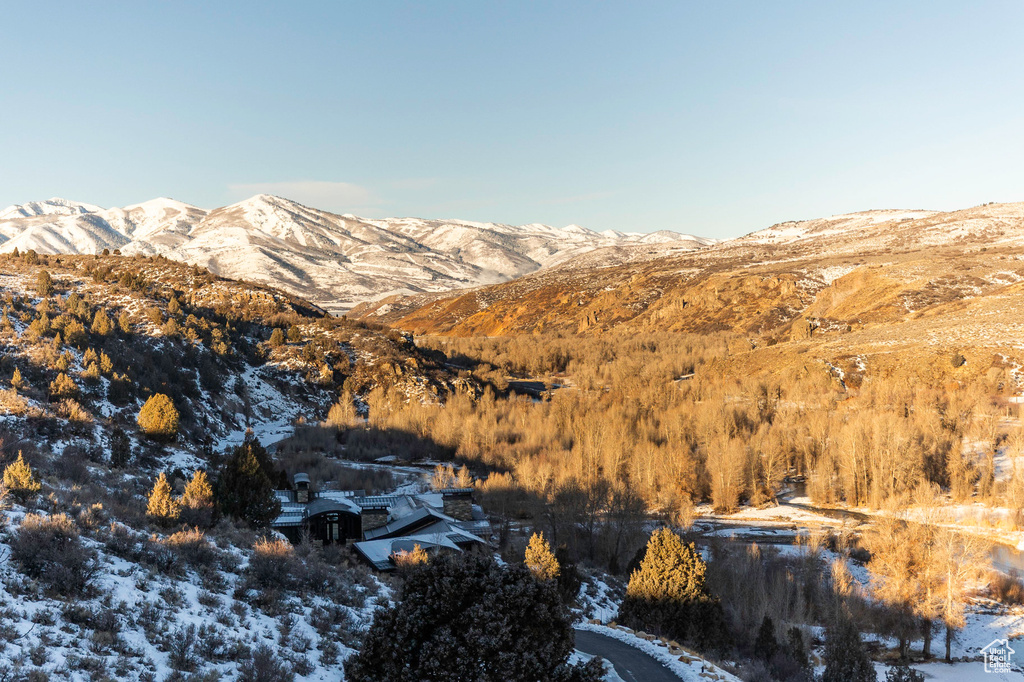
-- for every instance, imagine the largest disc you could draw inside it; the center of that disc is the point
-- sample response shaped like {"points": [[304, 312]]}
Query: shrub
{"points": [[183, 649], [263, 666], [272, 564], [73, 411], [903, 673], [12, 403], [49, 549], [277, 338], [406, 560], [158, 418], [193, 547]]}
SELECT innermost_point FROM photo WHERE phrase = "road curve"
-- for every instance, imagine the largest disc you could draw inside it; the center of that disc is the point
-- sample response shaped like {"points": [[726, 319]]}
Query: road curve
{"points": [[630, 663]]}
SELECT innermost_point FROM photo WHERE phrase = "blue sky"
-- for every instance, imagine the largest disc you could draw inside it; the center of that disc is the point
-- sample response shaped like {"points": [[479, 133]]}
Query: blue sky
{"points": [[710, 118]]}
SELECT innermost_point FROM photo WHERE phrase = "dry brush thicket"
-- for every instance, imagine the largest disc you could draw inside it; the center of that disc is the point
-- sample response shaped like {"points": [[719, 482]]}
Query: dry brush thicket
{"points": [[683, 419]]}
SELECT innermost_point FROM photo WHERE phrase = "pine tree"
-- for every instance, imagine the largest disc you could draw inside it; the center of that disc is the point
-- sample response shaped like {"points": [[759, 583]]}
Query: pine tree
{"points": [[17, 383], [197, 500], [44, 283], [63, 387], [162, 507], [124, 323], [540, 559], [766, 646], [244, 488], [277, 338], [120, 448], [294, 334], [463, 617], [667, 593], [101, 324], [19, 480], [846, 660], [158, 418]]}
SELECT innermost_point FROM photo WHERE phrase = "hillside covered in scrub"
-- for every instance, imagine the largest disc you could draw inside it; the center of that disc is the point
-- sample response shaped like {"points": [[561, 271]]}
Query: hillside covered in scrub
{"points": [[135, 392]]}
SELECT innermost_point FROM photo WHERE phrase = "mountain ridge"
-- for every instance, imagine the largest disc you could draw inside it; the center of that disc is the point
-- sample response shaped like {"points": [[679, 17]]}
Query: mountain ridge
{"points": [[337, 261]]}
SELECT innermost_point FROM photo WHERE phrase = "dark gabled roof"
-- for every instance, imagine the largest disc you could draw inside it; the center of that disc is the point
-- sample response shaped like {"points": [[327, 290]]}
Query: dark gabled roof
{"points": [[408, 524]]}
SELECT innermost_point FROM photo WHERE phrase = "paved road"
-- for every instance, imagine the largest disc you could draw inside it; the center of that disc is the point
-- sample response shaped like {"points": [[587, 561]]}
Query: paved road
{"points": [[631, 664]]}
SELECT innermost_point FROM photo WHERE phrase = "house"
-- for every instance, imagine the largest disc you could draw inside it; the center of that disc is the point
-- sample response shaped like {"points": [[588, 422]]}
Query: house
{"points": [[381, 526]]}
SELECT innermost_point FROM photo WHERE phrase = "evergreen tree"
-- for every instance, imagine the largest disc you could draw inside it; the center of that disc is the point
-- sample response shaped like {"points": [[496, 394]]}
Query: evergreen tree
{"points": [[158, 418], [846, 660], [120, 448], [766, 646], [463, 617], [667, 594], [124, 323], [197, 501], [162, 507], [540, 559], [294, 334], [19, 480], [17, 383], [63, 387], [44, 283], [244, 488], [797, 650], [277, 338], [101, 323]]}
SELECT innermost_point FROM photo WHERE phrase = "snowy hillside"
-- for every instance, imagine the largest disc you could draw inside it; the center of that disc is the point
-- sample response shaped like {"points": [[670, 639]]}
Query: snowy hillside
{"points": [[336, 261]]}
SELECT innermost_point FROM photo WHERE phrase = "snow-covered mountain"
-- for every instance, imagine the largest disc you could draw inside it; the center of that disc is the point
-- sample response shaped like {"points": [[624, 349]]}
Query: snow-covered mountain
{"points": [[336, 261]]}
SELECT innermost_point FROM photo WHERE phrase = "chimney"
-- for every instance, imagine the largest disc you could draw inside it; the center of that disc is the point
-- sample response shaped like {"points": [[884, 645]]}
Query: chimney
{"points": [[301, 483], [458, 503], [373, 517]]}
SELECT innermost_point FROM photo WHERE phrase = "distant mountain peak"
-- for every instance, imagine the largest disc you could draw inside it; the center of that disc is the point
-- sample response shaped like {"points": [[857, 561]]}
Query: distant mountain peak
{"points": [[51, 206], [335, 261]]}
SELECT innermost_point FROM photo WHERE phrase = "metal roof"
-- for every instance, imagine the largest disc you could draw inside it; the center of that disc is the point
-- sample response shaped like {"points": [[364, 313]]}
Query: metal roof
{"points": [[387, 501], [322, 505], [400, 525]]}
